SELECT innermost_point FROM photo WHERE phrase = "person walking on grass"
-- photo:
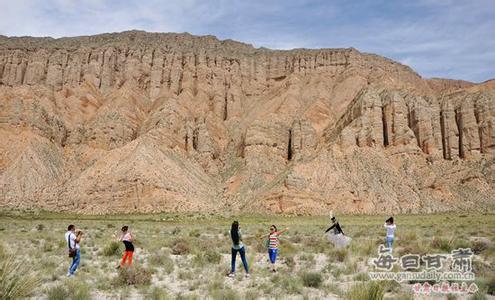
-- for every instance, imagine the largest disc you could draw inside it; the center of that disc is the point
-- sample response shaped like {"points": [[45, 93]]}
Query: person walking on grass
{"points": [[237, 246], [337, 238], [73, 239], [273, 243], [126, 238], [390, 227]]}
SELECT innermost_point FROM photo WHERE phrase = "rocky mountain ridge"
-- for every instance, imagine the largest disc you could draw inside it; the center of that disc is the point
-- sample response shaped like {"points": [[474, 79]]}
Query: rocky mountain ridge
{"points": [[148, 122]]}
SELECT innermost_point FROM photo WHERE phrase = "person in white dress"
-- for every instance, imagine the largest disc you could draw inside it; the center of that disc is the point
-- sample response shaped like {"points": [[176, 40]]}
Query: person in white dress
{"points": [[337, 237]]}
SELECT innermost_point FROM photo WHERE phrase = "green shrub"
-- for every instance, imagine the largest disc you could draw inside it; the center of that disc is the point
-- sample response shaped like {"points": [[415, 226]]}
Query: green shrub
{"points": [[365, 248], [316, 245], [157, 258], [78, 290], [478, 246], [185, 275], [16, 279], [335, 271], [490, 286], [390, 285], [266, 287], [207, 257], [333, 288], [251, 294], [212, 257], [287, 248], [296, 238], [258, 243], [134, 275], [310, 257], [409, 236], [371, 290], [215, 284], [162, 259], [441, 244], [290, 262], [350, 266], [180, 247], [419, 247], [47, 247], [361, 277], [291, 285], [311, 279], [158, 294], [460, 243], [404, 295], [224, 294], [195, 233], [337, 255], [479, 295], [57, 292], [112, 249]]}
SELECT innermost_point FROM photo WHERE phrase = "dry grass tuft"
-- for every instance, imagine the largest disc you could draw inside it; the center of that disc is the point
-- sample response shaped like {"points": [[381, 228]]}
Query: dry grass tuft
{"points": [[371, 290], [135, 275], [16, 279], [180, 247]]}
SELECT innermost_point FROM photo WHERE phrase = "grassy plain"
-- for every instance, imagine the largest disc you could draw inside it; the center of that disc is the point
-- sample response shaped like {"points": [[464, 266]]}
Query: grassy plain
{"points": [[187, 256]]}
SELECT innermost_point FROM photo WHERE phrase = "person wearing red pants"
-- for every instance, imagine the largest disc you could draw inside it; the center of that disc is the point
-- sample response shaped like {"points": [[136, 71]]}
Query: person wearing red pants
{"points": [[126, 238]]}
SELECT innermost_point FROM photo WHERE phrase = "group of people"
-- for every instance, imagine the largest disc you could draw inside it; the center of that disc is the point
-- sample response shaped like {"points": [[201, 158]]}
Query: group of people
{"points": [[73, 238], [337, 237], [271, 243]]}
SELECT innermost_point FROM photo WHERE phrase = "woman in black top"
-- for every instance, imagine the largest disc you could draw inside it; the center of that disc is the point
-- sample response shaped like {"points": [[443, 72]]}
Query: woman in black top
{"points": [[338, 238], [237, 246], [336, 227], [127, 239]]}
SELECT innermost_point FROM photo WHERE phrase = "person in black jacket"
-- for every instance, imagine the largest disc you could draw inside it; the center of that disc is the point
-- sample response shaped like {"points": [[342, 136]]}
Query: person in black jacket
{"points": [[336, 227], [337, 238]]}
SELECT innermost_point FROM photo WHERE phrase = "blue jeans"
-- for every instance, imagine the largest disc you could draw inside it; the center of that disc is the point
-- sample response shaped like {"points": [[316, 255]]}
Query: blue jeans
{"points": [[272, 253], [242, 252], [389, 240], [75, 262]]}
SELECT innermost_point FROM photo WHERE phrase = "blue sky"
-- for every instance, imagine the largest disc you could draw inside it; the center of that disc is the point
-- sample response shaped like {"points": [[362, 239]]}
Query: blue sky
{"points": [[437, 38]]}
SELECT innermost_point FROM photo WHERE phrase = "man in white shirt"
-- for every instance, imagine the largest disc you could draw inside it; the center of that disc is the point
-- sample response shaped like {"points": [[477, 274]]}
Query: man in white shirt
{"points": [[390, 227], [72, 238]]}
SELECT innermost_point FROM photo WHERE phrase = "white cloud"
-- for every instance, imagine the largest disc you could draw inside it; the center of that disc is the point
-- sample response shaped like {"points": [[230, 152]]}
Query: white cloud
{"points": [[443, 38]]}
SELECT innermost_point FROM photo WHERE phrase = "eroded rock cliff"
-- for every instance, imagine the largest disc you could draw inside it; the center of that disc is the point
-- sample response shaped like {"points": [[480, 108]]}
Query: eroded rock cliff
{"points": [[148, 122]]}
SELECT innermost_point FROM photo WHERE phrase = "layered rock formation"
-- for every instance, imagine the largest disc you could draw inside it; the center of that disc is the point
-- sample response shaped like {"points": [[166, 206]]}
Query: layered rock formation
{"points": [[151, 122]]}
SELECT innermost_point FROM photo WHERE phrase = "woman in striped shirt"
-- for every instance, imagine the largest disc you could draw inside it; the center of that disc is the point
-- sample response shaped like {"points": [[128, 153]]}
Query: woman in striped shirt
{"points": [[273, 244]]}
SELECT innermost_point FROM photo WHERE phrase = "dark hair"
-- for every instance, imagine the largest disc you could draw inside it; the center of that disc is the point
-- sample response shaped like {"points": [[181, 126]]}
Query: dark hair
{"points": [[333, 219], [274, 227], [124, 228], [71, 227], [390, 220], [234, 232]]}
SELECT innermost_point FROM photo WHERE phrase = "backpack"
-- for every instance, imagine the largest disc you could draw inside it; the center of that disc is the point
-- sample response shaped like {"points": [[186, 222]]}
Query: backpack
{"points": [[72, 251]]}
